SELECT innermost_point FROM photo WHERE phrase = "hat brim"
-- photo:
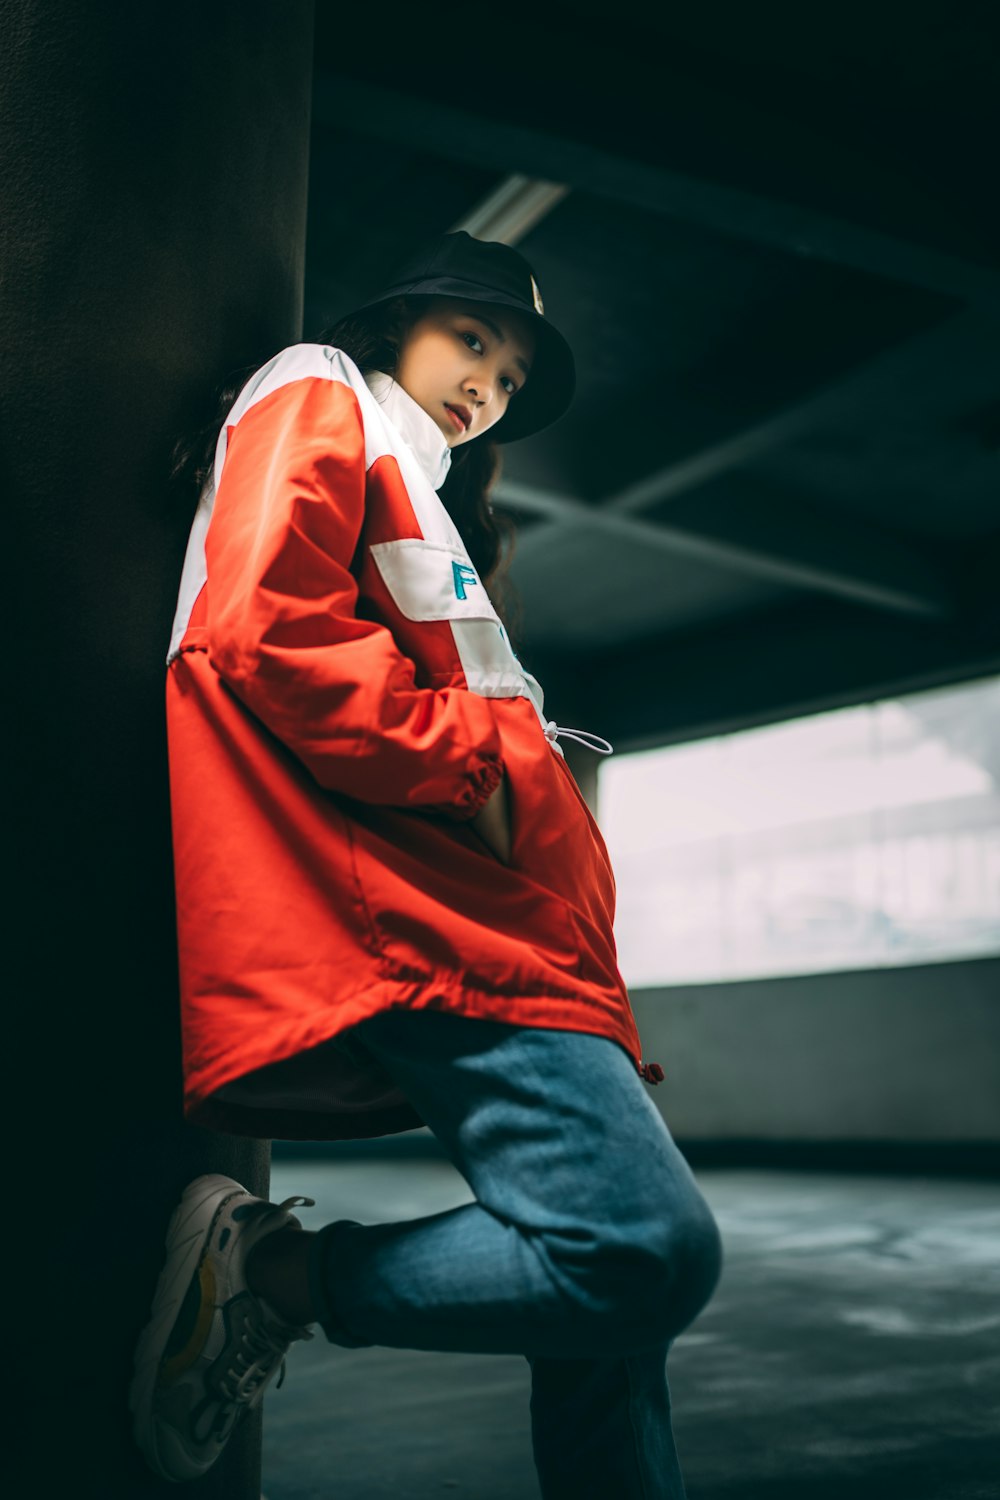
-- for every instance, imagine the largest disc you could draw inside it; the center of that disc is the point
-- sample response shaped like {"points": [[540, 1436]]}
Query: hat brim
{"points": [[549, 389]]}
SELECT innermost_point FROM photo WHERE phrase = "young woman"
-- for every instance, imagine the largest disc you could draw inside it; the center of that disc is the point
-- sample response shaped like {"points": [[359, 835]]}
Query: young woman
{"points": [[395, 908]]}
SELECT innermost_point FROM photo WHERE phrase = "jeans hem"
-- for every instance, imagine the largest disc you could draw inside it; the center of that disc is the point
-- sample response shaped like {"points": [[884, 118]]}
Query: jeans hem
{"points": [[319, 1271]]}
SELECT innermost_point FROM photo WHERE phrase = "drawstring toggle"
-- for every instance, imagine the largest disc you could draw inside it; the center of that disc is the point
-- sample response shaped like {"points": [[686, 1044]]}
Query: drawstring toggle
{"points": [[582, 736], [652, 1072]]}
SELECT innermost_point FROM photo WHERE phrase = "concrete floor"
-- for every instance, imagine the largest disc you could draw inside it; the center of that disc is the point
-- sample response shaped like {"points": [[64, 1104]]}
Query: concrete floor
{"points": [[852, 1349]]}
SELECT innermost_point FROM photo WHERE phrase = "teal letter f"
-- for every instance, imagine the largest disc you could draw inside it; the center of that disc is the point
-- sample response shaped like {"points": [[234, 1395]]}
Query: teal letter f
{"points": [[462, 574]]}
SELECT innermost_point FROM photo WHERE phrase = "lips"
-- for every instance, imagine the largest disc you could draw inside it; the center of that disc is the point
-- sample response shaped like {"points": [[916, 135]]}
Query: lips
{"points": [[461, 415]]}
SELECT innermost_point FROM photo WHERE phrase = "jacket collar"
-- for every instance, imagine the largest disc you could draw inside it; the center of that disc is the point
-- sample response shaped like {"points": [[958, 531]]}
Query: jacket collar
{"points": [[419, 431]]}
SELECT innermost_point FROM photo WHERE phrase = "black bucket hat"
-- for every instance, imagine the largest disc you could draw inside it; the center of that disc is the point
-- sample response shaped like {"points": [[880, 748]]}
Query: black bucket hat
{"points": [[457, 265]]}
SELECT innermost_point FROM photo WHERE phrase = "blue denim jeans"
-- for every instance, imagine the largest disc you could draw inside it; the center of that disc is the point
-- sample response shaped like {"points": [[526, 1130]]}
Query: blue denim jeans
{"points": [[588, 1250]]}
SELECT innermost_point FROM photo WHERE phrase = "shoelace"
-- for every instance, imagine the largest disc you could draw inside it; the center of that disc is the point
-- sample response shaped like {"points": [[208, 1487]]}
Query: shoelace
{"points": [[582, 736], [254, 1362]]}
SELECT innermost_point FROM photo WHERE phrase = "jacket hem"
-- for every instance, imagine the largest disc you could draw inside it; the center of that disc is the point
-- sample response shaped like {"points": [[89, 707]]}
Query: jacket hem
{"points": [[413, 993]]}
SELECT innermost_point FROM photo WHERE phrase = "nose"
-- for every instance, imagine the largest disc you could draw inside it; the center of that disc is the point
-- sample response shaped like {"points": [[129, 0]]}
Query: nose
{"points": [[481, 392]]}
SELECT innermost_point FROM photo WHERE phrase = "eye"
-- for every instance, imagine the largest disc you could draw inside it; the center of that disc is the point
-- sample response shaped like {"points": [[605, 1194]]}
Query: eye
{"points": [[511, 386]]}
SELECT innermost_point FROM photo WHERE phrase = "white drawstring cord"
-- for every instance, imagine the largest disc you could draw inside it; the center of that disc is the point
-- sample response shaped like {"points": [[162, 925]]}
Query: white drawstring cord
{"points": [[582, 736]]}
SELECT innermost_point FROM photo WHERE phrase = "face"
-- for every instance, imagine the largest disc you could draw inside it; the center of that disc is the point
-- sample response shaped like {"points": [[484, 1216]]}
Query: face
{"points": [[464, 363]]}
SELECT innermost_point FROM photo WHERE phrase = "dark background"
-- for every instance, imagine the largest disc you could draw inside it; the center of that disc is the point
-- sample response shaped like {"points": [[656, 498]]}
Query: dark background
{"points": [[776, 259]]}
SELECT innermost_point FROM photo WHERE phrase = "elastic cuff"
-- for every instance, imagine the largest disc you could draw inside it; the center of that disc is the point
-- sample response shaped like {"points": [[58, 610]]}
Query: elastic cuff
{"points": [[321, 1271], [481, 788]]}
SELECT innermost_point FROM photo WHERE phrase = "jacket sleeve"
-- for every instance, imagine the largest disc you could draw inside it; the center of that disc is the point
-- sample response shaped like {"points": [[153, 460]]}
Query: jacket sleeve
{"points": [[281, 623]]}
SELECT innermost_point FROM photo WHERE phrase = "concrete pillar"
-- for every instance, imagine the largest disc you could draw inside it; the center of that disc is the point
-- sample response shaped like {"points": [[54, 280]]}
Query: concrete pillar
{"points": [[154, 168]]}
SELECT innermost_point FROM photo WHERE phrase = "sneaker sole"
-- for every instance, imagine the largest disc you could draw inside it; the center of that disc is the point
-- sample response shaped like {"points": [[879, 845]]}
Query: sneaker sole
{"points": [[188, 1234]]}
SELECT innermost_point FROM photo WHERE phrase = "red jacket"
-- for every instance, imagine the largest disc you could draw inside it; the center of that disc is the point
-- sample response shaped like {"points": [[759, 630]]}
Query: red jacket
{"points": [[341, 699]]}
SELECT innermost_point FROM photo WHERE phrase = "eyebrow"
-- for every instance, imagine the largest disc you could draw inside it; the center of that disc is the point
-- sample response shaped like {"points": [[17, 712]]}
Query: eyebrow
{"points": [[481, 318]]}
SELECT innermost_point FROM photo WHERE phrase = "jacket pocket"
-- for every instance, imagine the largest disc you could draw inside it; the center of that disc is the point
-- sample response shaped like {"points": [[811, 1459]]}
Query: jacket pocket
{"points": [[442, 907], [507, 813]]}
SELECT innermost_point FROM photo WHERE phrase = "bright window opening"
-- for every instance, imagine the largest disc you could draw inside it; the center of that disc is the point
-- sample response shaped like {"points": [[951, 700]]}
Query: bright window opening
{"points": [[844, 840]]}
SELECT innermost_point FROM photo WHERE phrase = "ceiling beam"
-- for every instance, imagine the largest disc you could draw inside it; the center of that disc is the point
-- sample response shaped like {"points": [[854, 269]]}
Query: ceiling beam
{"points": [[772, 539], [909, 583], [967, 340], [427, 125]]}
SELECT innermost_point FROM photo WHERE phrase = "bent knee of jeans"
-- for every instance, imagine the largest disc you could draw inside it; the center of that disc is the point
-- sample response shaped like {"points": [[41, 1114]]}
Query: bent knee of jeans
{"points": [[683, 1271], [673, 1274], [650, 1284]]}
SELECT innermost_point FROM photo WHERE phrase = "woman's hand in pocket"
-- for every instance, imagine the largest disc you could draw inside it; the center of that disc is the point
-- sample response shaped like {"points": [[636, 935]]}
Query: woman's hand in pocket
{"points": [[492, 823]]}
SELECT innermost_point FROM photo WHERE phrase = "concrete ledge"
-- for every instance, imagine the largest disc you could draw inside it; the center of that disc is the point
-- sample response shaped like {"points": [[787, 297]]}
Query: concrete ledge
{"points": [[906, 1055]]}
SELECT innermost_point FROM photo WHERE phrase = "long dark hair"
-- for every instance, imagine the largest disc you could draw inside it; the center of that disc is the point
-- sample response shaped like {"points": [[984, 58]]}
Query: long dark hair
{"points": [[372, 337]]}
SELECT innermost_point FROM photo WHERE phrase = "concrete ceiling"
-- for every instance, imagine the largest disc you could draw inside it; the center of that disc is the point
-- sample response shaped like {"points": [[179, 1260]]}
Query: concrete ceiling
{"points": [[773, 242]]}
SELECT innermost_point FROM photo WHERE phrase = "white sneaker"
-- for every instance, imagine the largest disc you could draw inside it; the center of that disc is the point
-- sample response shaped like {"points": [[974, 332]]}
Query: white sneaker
{"points": [[211, 1346]]}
